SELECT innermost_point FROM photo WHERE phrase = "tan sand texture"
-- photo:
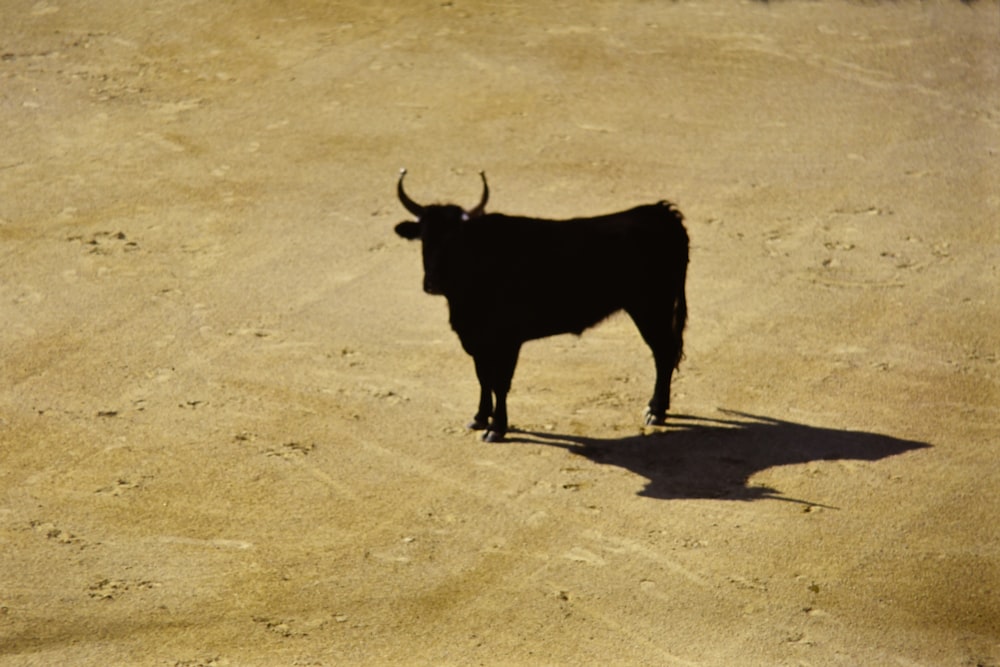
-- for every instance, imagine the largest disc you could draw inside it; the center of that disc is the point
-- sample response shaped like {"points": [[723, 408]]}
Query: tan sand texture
{"points": [[231, 423]]}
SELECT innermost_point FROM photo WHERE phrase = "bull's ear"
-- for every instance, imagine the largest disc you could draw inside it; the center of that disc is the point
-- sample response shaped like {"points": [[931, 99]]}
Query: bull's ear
{"points": [[409, 230]]}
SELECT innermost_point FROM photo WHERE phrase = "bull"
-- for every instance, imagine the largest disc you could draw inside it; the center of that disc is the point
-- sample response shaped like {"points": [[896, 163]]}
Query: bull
{"points": [[512, 279]]}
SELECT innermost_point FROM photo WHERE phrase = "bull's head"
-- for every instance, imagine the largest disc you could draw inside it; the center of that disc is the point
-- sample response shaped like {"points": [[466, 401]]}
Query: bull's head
{"points": [[438, 226]]}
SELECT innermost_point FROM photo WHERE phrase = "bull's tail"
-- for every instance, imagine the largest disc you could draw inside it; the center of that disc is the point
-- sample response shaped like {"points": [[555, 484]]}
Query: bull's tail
{"points": [[679, 318], [665, 253]]}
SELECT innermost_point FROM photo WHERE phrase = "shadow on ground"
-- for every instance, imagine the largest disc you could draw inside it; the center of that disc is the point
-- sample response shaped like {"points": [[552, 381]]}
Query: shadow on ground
{"points": [[698, 457]]}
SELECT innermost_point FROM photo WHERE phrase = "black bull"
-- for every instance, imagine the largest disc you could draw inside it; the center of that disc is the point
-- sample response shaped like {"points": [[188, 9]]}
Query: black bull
{"points": [[513, 279]]}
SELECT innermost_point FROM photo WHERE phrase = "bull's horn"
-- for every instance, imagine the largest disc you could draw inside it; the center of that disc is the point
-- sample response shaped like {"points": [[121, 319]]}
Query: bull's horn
{"points": [[481, 206], [411, 206]]}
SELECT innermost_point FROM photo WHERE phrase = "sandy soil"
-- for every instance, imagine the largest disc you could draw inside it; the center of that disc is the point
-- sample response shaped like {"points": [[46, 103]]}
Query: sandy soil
{"points": [[231, 422]]}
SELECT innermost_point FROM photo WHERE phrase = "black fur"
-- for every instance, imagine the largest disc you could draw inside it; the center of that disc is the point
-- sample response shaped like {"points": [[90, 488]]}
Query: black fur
{"points": [[513, 279]]}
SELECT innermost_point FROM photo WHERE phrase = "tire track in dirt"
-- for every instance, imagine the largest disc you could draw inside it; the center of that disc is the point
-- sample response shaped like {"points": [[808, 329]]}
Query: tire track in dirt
{"points": [[622, 544], [574, 543], [851, 71]]}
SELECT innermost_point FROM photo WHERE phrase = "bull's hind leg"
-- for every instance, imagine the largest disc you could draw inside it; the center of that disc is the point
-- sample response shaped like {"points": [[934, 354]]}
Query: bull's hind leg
{"points": [[656, 328], [656, 411]]}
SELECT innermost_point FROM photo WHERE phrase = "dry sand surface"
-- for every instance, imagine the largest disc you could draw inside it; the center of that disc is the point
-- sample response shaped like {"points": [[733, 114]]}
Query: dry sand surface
{"points": [[231, 423]]}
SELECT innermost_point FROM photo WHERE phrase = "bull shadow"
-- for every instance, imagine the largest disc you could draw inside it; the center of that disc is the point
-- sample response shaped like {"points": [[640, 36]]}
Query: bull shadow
{"points": [[698, 457]]}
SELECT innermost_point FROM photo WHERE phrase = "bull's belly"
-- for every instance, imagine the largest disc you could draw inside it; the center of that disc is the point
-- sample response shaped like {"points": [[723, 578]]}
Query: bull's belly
{"points": [[556, 318], [529, 316]]}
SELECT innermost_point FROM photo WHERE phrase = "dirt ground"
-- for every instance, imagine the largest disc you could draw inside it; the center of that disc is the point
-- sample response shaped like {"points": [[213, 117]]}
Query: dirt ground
{"points": [[231, 423]]}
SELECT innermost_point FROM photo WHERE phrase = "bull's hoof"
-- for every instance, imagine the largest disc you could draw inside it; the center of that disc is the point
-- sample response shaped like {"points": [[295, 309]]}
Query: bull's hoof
{"points": [[655, 420], [477, 425], [493, 436]]}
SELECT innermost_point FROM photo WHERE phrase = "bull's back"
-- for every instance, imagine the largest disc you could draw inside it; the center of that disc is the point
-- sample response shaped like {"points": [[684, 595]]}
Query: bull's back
{"points": [[540, 277]]}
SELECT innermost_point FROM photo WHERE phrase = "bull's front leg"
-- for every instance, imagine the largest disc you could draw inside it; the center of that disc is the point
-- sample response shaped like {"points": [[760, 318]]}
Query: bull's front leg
{"points": [[495, 369], [481, 420], [498, 426], [502, 367]]}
